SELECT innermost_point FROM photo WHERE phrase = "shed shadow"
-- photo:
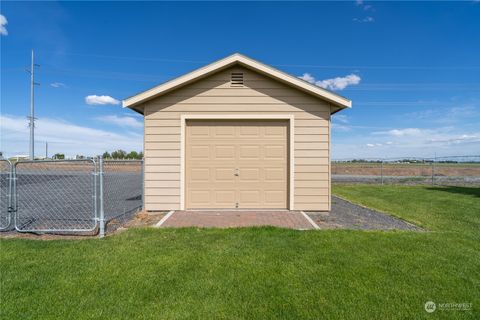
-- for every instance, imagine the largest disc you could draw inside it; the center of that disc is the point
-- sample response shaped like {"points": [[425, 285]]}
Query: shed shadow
{"points": [[469, 191]]}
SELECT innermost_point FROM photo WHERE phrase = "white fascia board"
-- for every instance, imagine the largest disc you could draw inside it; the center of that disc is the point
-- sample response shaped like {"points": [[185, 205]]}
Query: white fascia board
{"points": [[247, 62]]}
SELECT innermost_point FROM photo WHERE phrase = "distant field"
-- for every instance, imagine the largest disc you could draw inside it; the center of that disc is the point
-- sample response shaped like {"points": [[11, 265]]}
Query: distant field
{"points": [[407, 169]]}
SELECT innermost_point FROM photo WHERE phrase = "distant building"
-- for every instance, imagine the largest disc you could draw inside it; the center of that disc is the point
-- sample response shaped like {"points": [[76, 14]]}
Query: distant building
{"points": [[19, 157]]}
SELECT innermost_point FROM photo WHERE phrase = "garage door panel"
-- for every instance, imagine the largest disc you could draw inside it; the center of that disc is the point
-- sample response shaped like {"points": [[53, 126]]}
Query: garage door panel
{"points": [[199, 174], [275, 174], [199, 131], [225, 198], [223, 131], [275, 197], [275, 132], [224, 152], [249, 131], [249, 175], [199, 152], [249, 197], [249, 152], [247, 162], [200, 197], [224, 174], [272, 152]]}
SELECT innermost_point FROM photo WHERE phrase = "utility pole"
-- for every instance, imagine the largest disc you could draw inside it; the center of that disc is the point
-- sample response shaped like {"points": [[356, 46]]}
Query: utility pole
{"points": [[46, 149], [31, 118]]}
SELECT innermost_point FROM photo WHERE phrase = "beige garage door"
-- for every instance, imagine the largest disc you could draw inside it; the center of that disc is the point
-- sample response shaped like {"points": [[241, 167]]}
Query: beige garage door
{"points": [[236, 164]]}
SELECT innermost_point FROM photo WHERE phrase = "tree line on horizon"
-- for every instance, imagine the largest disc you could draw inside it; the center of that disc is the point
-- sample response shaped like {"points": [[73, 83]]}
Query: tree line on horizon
{"points": [[121, 154], [118, 154]]}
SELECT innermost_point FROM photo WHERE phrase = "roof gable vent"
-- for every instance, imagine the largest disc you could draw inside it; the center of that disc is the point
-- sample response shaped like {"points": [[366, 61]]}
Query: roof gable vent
{"points": [[236, 79]]}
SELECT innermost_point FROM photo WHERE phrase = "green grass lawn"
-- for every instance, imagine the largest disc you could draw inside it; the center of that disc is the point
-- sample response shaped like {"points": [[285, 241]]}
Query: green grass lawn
{"points": [[259, 273]]}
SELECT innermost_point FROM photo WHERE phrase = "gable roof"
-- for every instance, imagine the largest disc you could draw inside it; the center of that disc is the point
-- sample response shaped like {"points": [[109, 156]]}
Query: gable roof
{"points": [[229, 61]]}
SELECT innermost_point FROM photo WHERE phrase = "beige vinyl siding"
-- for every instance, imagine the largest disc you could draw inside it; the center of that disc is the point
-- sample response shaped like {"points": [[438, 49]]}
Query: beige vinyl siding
{"points": [[260, 96]]}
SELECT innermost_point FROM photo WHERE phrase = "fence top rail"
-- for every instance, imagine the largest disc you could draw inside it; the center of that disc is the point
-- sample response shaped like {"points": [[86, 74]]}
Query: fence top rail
{"points": [[7, 161], [121, 160], [55, 161]]}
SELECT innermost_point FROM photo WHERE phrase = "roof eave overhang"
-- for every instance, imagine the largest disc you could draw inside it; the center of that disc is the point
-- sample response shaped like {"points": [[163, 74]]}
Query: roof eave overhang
{"points": [[135, 101]]}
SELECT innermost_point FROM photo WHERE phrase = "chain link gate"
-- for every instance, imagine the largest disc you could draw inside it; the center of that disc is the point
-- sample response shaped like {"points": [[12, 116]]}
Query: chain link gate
{"points": [[6, 201], [69, 196], [122, 189], [55, 196]]}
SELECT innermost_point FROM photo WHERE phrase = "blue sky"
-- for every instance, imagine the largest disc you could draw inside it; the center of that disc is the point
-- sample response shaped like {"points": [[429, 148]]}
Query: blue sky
{"points": [[412, 69]]}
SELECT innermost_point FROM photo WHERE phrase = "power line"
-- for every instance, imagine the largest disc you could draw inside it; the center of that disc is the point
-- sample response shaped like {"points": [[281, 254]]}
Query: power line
{"points": [[397, 67]]}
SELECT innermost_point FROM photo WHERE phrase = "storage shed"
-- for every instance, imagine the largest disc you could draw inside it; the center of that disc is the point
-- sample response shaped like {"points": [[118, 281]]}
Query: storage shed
{"points": [[237, 134]]}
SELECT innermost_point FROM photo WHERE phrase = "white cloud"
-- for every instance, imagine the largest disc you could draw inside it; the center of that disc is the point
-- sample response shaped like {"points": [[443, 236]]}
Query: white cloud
{"points": [[307, 77], [125, 121], [448, 115], [373, 145], [366, 7], [3, 23], [58, 85], [100, 100], [338, 83], [340, 122], [340, 118], [408, 142], [340, 127], [404, 132], [63, 137], [416, 136], [457, 139], [364, 20]]}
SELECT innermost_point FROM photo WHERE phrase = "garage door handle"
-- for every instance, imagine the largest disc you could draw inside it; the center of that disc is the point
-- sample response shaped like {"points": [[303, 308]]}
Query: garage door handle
{"points": [[236, 173]]}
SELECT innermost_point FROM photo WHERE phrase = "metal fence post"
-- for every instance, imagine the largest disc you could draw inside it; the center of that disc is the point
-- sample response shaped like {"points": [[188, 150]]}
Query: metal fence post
{"points": [[381, 170], [95, 189], [100, 184], [6, 192], [433, 172], [14, 198]]}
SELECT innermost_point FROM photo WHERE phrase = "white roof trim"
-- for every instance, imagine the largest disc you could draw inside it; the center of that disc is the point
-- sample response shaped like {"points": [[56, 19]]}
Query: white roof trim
{"points": [[229, 61]]}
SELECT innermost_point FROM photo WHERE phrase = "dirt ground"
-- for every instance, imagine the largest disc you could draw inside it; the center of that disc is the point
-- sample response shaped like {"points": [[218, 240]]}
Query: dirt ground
{"points": [[141, 219], [347, 215], [82, 165]]}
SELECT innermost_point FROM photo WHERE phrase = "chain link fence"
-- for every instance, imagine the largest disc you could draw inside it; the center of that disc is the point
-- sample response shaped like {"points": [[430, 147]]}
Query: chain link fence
{"points": [[72, 196], [453, 171], [55, 196], [5, 194], [122, 190], [69, 196]]}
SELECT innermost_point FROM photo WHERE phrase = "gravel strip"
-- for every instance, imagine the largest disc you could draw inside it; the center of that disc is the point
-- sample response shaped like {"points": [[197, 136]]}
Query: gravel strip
{"points": [[346, 215]]}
